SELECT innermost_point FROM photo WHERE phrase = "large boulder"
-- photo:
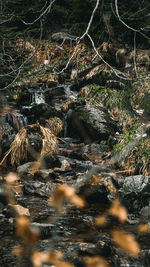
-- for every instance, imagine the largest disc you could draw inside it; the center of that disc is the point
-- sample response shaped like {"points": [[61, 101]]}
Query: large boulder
{"points": [[92, 123], [135, 192]]}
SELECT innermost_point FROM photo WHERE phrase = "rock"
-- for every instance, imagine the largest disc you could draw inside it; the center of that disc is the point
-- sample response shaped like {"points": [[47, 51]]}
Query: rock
{"points": [[99, 189], [7, 135], [80, 165], [92, 123], [145, 213], [136, 192], [94, 152], [26, 169], [136, 184], [65, 166], [3, 195], [44, 174], [19, 210], [38, 189], [44, 228]]}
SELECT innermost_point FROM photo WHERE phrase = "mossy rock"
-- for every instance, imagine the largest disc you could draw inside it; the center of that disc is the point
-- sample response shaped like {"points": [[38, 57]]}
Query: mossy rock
{"points": [[93, 123]]}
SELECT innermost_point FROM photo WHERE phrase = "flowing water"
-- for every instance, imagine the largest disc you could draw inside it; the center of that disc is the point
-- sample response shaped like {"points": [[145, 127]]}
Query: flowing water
{"points": [[72, 232]]}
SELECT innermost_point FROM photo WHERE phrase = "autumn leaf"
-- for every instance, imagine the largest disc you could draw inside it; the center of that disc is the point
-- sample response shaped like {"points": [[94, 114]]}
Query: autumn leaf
{"points": [[26, 233], [17, 250], [126, 242], [95, 261], [101, 220], [52, 257], [65, 192], [11, 178], [118, 210], [96, 180], [143, 227], [19, 210]]}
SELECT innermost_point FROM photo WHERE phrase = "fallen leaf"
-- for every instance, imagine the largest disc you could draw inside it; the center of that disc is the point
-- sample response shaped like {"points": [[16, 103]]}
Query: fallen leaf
{"points": [[143, 227], [118, 210], [21, 211], [95, 261], [100, 220], [126, 242]]}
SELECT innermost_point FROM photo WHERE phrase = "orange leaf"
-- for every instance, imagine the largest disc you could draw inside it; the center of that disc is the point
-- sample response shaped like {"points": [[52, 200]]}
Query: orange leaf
{"points": [[126, 242], [118, 210], [27, 234], [100, 220], [96, 261], [65, 192], [143, 227], [11, 178]]}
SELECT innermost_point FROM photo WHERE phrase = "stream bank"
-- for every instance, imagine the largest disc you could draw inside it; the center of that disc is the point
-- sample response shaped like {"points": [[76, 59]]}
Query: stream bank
{"points": [[83, 160]]}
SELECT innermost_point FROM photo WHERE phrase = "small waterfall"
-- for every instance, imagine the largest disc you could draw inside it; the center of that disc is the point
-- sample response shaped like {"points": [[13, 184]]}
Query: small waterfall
{"points": [[65, 125], [71, 94], [37, 98], [16, 119], [22, 119]]}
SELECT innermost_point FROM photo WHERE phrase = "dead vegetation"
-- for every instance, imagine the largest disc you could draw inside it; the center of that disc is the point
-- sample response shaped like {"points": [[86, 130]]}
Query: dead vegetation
{"points": [[55, 124], [21, 147]]}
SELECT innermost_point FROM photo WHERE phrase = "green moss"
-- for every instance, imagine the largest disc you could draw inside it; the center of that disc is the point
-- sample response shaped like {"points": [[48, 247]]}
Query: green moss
{"points": [[124, 139], [109, 98]]}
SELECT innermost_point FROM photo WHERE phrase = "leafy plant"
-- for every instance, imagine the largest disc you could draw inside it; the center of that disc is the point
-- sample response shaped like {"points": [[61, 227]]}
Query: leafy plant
{"points": [[124, 139], [109, 98]]}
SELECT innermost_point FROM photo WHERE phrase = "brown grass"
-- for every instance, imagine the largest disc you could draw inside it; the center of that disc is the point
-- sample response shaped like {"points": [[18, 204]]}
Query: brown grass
{"points": [[20, 146], [55, 124]]}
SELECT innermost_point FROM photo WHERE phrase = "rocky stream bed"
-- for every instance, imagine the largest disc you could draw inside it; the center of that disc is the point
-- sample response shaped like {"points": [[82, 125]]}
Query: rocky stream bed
{"points": [[83, 154]]}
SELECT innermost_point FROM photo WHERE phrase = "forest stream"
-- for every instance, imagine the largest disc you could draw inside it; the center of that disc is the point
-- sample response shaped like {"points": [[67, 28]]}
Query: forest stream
{"points": [[83, 150]]}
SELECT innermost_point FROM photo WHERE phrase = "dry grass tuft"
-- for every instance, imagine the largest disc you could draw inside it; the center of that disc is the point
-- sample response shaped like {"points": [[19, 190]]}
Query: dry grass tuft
{"points": [[55, 124], [21, 147]]}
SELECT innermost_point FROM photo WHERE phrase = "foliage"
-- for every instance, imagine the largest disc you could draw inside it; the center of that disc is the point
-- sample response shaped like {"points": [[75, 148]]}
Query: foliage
{"points": [[138, 160], [18, 16], [124, 139], [109, 98]]}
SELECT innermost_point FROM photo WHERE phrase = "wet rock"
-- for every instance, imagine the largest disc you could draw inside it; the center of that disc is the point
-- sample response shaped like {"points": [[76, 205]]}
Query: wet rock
{"points": [[92, 123], [44, 228], [145, 213], [26, 170], [120, 258], [38, 189], [65, 166], [79, 165], [3, 196], [19, 210], [136, 192], [100, 189], [136, 184], [59, 96], [44, 174], [7, 135], [94, 152]]}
